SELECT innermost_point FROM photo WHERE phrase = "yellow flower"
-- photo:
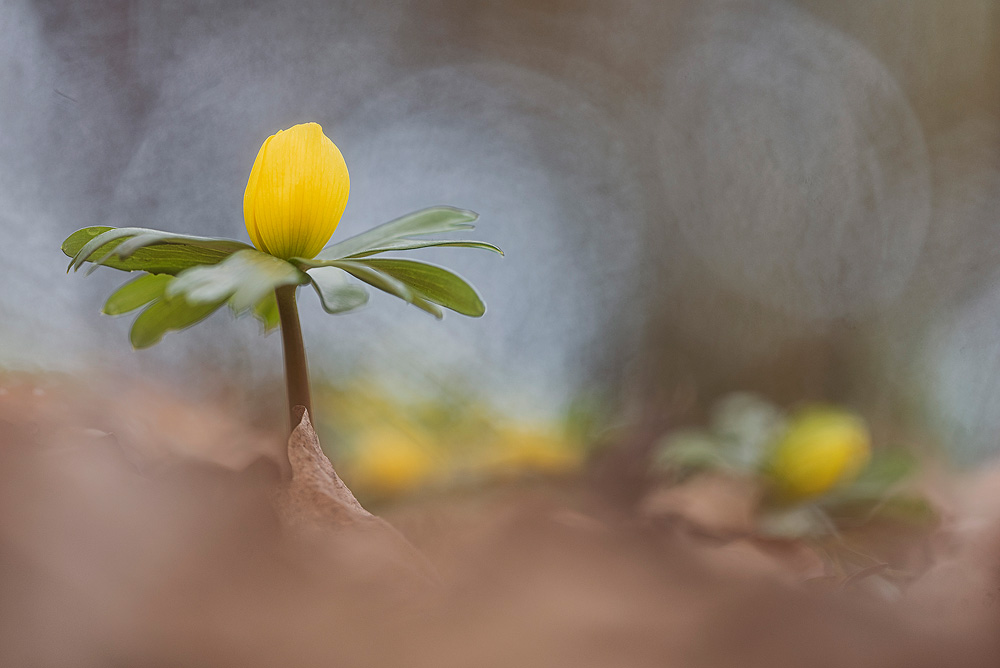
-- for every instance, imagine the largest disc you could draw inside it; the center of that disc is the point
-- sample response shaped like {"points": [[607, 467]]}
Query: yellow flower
{"points": [[296, 193], [822, 447], [390, 462], [530, 449]]}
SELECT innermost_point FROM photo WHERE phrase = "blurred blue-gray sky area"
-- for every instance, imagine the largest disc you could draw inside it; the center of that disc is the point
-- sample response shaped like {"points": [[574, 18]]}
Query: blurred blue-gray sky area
{"points": [[794, 197]]}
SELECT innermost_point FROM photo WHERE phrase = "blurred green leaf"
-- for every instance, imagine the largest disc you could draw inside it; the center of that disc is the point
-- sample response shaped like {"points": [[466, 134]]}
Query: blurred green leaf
{"points": [[746, 426], [875, 484], [909, 508], [798, 522], [266, 311], [336, 292], [433, 220], [140, 249], [244, 278], [165, 315], [858, 510], [876, 494], [887, 468], [688, 450], [136, 293]]}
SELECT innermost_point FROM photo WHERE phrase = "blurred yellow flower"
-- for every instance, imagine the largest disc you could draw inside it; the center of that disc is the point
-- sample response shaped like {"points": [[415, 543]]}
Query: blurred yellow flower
{"points": [[296, 193], [821, 448], [523, 449], [388, 461]]}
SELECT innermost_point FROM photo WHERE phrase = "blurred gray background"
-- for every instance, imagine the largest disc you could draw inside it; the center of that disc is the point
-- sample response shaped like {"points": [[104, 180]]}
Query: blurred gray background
{"points": [[799, 198]]}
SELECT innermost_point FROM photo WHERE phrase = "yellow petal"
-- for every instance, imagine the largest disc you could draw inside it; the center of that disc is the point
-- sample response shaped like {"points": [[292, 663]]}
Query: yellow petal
{"points": [[296, 193], [250, 196]]}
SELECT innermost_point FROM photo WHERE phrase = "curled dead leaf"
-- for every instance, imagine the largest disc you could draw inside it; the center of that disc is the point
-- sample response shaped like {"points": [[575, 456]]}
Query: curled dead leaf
{"points": [[315, 504]]}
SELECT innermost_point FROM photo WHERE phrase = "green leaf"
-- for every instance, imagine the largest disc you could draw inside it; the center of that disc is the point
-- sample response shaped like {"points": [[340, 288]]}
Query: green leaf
{"points": [[407, 244], [136, 248], [376, 279], [419, 283], [387, 283], [336, 293], [428, 306], [426, 221], [244, 278], [136, 293], [165, 315], [266, 311], [433, 283], [426, 286]]}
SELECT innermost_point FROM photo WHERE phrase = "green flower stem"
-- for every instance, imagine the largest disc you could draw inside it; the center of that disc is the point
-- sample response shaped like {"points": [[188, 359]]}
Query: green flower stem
{"points": [[296, 373]]}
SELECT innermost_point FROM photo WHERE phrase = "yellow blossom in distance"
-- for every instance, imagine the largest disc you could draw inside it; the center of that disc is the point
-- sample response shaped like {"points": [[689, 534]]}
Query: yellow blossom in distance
{"points": [[822, 447], [296, 193], [391, 462], [523, 448]]}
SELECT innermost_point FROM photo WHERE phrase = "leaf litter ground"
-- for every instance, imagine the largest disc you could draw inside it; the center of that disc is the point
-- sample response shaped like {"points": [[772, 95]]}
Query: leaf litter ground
{"points": [[144, 529]]}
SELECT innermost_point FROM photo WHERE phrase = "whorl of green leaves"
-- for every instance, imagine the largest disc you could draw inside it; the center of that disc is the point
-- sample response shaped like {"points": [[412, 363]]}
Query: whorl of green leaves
{"points": [[187, 278]]}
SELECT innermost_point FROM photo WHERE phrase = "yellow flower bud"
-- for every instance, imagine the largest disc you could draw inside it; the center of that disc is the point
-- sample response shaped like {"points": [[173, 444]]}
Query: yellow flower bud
{"points": [[296, 193], [822, 447]]}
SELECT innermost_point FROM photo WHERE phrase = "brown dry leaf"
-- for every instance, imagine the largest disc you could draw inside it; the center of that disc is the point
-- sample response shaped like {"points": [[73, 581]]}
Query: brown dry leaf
{"points": [[962, 587], [315, 494], [315, 504], [717, 503], [156, 428], [165, 430]]}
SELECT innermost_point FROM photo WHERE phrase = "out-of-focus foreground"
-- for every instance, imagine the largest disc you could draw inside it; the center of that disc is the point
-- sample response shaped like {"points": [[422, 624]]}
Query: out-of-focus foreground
{"points": [[182, 537]]}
